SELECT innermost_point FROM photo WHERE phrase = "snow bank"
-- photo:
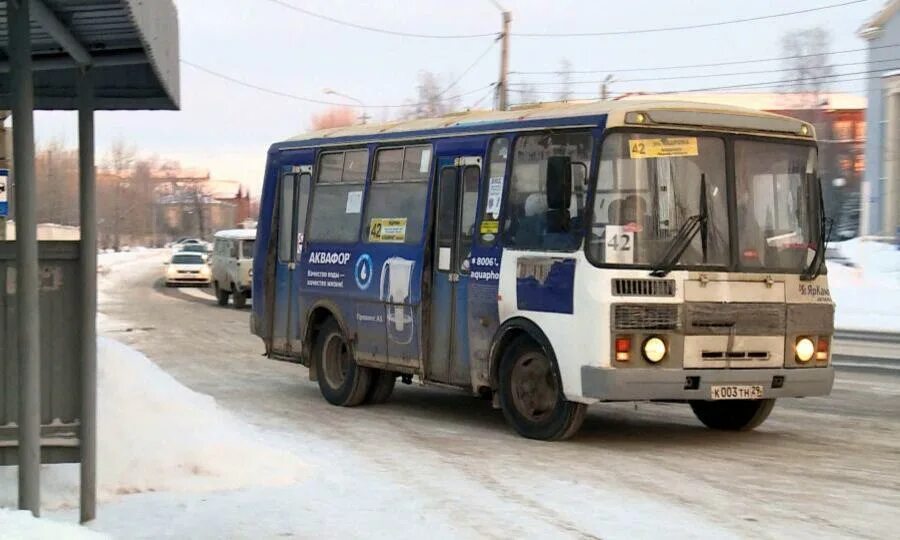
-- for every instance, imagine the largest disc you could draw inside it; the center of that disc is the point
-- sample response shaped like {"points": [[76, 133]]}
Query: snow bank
{"points": [[20, 525], [868, 295], [157, 435]]}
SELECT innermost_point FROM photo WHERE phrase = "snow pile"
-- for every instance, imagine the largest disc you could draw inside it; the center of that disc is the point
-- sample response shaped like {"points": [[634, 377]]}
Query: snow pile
{"points": [[20, 525], [867, 295], [156, 435]]}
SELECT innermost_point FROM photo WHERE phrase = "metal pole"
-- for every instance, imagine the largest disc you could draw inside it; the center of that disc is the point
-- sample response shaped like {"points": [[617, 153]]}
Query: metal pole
{"points": [[28, 324], [502, 86], [88, 271]]}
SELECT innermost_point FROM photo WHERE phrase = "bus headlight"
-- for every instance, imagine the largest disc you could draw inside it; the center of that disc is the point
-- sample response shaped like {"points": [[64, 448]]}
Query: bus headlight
{"points": [[654, 349], [804, 349]]}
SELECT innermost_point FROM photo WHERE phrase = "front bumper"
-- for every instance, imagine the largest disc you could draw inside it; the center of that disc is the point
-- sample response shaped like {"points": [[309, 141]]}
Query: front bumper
{"points": [[196, 281], [611, 384]]}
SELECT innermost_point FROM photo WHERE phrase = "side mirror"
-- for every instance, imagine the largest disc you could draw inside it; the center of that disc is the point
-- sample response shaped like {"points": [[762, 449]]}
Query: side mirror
{"points": [[166, 263], [559, 182]]}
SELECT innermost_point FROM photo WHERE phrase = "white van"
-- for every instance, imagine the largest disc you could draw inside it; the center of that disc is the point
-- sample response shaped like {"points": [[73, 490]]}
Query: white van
{"points": [[232, 265]]}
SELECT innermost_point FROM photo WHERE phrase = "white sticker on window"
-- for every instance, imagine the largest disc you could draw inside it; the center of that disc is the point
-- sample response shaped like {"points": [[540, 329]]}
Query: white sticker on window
{"points": [[495, 196], [619, 245], [354, 202], [425, 161]]}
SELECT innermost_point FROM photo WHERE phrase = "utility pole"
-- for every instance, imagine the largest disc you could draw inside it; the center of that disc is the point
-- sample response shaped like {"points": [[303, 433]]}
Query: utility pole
{"points": [[502, 86]]}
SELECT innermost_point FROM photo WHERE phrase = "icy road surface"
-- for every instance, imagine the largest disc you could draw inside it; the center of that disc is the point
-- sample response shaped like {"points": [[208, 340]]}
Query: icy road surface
{"points": [[439, 463]]}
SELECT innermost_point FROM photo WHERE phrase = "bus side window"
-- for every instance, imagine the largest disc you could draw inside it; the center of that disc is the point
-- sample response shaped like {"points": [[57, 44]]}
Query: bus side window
{"points": [[340, 182], [536, 218], [492, 193], [286, 238], [395, 206], [467, 217]]}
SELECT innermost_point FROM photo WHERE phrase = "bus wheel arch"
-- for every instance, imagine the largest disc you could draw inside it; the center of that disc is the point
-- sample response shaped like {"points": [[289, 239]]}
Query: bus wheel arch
{"points": [[510, 331], [319, 314], [528, 384]]}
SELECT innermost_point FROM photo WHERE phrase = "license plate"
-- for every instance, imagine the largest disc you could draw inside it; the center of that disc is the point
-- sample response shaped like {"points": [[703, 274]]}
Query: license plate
{"points": [[733, 391]]}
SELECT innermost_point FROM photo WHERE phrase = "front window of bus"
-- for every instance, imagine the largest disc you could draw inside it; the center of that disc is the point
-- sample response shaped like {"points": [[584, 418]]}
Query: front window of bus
{"points": [[650, 189], [774, 218]]}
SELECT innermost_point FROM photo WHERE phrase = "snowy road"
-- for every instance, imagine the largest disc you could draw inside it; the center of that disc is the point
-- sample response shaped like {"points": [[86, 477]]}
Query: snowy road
{"points": [[442, 464]]}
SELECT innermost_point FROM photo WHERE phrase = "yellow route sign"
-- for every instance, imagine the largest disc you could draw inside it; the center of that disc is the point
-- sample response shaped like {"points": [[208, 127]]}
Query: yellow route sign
{"points": [[387, 230], [668, 147]]}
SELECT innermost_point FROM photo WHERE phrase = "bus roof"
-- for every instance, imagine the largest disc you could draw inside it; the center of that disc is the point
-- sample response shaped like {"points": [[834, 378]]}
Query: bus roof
{"points": [[237, 234], [560, 114]]}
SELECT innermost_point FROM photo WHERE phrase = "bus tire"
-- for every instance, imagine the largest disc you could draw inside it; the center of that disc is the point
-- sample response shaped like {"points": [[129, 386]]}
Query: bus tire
{"points": [[736, 415], [341, 380], [382, 386], [237, 298], [531, 394], [221, 295]]}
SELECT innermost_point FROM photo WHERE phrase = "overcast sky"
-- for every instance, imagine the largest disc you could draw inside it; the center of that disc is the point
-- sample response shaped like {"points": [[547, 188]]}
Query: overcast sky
{"points": [[226, 128]]}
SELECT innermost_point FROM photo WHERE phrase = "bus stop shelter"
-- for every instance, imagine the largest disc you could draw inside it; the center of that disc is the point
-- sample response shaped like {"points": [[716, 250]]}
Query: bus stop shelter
{"points": [[83, 55]]}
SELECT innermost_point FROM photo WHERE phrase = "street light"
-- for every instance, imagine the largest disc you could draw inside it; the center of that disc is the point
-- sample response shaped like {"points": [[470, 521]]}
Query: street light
{"points": [[362, 117]]}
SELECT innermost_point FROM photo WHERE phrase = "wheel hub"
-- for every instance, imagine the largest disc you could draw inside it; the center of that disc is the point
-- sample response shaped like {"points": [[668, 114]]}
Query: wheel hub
{"points": [[534, 385], [336, 360]]}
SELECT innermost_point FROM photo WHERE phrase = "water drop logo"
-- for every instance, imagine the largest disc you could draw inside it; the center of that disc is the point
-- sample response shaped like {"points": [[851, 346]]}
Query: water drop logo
{"points": [[363, 272]]}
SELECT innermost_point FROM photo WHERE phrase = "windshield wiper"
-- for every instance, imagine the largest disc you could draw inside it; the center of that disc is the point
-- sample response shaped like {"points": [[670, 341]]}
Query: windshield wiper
{"points": [[815, 266], [685, 236]]}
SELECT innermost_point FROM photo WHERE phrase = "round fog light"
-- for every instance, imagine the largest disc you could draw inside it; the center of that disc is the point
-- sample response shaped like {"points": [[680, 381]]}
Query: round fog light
{"points": [[805, 349], [654, 349]]}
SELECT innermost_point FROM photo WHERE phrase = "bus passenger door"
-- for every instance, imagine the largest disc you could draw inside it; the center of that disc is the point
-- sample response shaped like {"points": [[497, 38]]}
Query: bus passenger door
{"points": [[293, 199], [456, 205]]}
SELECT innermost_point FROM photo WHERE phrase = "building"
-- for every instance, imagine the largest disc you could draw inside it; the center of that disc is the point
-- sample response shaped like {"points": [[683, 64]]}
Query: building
{"points": [[881, 191]]}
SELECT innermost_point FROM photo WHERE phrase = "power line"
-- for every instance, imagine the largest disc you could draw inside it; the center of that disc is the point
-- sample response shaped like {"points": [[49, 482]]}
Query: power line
{"points": [[684, 27], [376, 29], [713, 64], [697, 76], [468, 69], [830, 79], [314, 100], [488, 94]]}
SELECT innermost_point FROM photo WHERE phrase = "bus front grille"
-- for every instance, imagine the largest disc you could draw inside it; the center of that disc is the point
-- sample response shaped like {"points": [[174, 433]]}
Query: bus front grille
{"points": [[647, 317], [643, 287]]}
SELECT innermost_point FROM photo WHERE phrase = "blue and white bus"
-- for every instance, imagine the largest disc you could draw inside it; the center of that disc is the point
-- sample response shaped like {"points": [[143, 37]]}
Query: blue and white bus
{"points": [[552, 257]]}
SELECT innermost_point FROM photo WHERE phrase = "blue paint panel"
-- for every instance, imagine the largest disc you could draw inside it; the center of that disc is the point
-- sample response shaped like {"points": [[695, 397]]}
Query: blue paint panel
{"points": [[553, 294], [483, 307]]}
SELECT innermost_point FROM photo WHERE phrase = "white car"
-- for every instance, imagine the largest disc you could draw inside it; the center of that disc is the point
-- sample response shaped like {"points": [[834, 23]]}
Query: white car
{"points": [[187, 269], [232, 265]]}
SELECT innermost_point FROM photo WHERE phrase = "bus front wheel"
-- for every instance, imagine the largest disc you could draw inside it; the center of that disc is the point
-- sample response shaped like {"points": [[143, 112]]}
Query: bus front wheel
{"points": [[342, 381], [531, 394], [737, 415]]}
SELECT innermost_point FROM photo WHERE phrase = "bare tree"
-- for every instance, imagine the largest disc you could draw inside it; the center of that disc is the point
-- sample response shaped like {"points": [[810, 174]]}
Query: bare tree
{"points": [[807, 65], [56, 169], [808, 73], [434, 97], [565, 80], [526, 93]]}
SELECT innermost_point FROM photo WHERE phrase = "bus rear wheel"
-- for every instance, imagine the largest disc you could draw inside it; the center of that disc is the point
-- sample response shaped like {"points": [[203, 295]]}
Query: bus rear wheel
{"points": [[531, 394], [341, 380], [382, 386], [737, 415]]}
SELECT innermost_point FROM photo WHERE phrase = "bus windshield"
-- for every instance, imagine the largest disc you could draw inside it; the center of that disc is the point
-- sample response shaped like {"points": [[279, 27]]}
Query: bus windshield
{"points": [[774, 218], [651, 187], [648, 187]]}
